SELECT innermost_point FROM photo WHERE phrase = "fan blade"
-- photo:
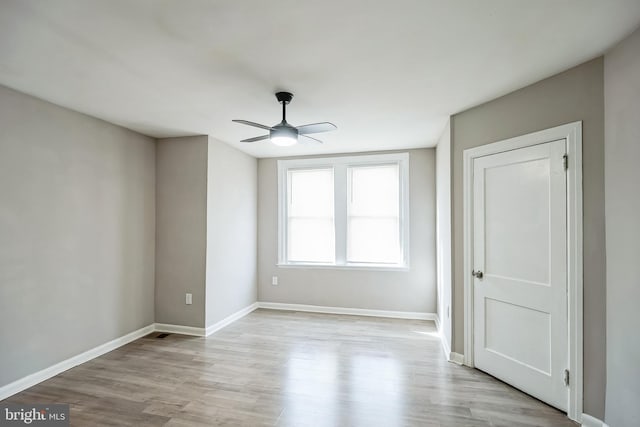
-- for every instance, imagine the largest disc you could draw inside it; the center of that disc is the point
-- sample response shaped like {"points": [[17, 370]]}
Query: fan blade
{"points": [[256, 138], [257, 125], [316, 128], [304, 139]]}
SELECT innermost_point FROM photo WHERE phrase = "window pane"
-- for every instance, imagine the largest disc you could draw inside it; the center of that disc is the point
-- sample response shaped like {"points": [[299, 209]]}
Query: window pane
{"points": [[311, 239], [374, 240], [373, 222], [310, 232], [311, 192], [374, 190]]}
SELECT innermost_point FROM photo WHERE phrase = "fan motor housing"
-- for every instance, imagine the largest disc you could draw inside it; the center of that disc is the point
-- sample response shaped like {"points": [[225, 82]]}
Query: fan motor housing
{"points": [[284, 97], [285, 130]]}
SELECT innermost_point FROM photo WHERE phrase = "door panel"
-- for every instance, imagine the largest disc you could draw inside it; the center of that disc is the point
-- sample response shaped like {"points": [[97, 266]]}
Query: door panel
{"points": [[520, 244], [515, 194], [535, 352]]}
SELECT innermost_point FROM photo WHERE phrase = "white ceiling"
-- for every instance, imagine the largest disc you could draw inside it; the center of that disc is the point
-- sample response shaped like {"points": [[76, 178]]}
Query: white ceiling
{"points": [[387, 73]]}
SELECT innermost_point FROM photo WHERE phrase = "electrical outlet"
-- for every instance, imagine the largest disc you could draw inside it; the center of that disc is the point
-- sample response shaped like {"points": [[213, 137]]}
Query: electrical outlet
{"points": [[188, 299], [274, 280]]}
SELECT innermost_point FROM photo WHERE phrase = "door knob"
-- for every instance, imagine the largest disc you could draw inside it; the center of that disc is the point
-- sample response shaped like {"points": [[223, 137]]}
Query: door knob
{"points": [[477, 274]]}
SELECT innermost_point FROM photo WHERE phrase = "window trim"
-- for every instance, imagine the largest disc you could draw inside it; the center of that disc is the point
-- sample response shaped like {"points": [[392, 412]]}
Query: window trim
{"points": [[339, 165]]}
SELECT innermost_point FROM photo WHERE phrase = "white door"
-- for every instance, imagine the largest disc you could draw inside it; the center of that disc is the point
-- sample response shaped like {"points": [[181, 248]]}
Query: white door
{"points": [[520, 246]]}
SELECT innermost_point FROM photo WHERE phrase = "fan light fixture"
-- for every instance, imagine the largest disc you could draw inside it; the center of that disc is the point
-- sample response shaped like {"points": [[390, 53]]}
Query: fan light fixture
{"points": [[284, 134], [284, 141]]}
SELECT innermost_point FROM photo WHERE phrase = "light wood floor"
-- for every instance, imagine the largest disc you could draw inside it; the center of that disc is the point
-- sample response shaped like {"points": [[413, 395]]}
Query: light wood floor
{"points": [[276, 368]]}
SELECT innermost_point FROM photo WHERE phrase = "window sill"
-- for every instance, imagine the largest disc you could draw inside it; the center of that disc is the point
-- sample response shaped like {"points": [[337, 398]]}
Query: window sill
{"points": [[368, 267]]}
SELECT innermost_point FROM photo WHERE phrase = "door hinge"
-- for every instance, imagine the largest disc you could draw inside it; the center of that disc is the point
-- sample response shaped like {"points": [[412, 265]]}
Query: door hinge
{"points": [[566, 377], [565, 161]]}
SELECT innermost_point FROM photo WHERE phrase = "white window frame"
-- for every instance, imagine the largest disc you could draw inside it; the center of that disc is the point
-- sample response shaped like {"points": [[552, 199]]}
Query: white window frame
{"points": [[339, 166]]}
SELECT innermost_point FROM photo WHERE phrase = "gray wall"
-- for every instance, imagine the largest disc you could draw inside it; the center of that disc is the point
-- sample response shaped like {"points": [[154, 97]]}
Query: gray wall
{"points": [[181, 230], [232, 207], [622, 176], [576, 94], [77, 230], [413, 290], [443, 231]]}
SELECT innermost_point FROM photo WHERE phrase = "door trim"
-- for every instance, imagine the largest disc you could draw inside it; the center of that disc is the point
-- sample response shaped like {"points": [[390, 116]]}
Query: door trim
{"points": [[572, 132]]}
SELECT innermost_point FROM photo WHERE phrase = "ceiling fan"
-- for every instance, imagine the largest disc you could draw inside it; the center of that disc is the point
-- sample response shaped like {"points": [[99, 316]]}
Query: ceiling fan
{"points": [[283, 133]]}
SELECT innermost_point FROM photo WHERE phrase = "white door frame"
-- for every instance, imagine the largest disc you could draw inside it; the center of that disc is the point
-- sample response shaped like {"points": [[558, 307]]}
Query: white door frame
{"points": [[572, 132]]}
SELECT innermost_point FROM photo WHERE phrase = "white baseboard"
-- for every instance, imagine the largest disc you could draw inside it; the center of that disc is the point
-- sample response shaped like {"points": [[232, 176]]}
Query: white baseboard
{"points": [[179, 329], [350, 311], [205, 332], [456, 358], [230, 319], [37, 377], [589, 421], [445, 345]]}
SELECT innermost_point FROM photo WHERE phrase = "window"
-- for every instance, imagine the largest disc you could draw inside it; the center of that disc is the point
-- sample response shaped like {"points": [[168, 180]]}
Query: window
{"points": [[344, 211]]}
